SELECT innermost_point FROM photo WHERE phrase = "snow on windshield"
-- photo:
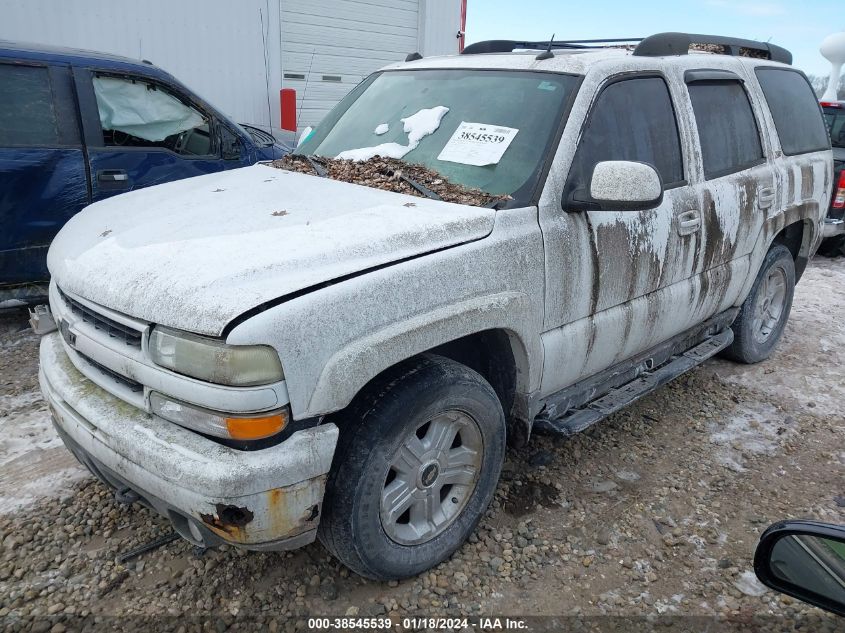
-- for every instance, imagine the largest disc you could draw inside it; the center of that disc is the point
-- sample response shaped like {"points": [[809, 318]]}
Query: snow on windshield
{"points": [[417, 127]]}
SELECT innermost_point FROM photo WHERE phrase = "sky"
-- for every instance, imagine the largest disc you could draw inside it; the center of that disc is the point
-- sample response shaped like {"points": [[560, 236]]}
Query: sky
{"points": [[797, 25]]}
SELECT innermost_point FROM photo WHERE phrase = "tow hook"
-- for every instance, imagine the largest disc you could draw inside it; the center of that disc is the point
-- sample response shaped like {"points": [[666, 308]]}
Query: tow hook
{"points": [[126, 495]]}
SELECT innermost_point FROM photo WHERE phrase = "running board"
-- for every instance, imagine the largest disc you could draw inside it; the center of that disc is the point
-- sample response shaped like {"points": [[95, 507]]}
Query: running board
{"points": [[576, 420]]}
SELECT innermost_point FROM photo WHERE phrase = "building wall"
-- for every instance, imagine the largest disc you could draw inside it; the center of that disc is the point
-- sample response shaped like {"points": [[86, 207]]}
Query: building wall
{"points": [[238, 55], [215, 50]]}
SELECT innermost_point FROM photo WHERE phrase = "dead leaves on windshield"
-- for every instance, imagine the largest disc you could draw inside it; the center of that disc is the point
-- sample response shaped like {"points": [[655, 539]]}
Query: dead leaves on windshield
{"points": [[387, 174]]}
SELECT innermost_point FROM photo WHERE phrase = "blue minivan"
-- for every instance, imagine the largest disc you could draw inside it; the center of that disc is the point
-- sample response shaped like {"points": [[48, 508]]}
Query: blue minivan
{"points": [[77, 127]]}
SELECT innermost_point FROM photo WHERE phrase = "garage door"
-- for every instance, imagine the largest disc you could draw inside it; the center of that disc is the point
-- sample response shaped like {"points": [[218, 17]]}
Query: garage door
{"points": [[331, 45]]}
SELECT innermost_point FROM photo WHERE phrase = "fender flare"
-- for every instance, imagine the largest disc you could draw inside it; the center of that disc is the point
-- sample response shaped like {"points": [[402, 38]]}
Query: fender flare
{"points": [[354, 366], [772, 227]]}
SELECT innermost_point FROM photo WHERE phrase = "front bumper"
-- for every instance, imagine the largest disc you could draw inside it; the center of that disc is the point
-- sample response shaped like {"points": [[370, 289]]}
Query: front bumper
{"points": [[264, 500]]}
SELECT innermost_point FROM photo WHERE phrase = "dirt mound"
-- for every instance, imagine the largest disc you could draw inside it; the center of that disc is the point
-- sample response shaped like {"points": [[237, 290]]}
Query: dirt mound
{"points": [[389, 174]]}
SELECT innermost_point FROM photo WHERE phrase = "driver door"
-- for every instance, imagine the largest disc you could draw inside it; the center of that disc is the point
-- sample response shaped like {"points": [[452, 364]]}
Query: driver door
{"points": [[139, 133], [618, 281]]}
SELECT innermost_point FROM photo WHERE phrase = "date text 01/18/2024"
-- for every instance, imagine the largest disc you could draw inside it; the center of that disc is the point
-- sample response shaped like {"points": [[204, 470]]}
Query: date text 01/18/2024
{"points": [[417, 624]]}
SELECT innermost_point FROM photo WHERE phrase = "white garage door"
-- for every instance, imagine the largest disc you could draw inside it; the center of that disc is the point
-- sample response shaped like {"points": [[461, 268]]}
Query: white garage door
{"points": [[331, 45]]}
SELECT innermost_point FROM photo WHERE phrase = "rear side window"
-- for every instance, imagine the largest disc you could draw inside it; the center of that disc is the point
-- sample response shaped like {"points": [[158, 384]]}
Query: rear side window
{"points": [[730, 139], [796, 112], [27, 116], [631, 120]]}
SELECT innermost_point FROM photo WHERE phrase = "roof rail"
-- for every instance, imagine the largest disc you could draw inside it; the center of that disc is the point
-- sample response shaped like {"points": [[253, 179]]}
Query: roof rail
{"points": [[665, 44], [508, 46]]}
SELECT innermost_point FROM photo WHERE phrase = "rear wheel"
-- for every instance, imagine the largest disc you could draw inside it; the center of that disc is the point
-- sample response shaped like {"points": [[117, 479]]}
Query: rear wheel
{"points": [[764, 314], [415, 469]]}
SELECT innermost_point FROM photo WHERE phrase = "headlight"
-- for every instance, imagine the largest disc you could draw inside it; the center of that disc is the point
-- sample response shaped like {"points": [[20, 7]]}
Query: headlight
{"points": [[224, 425], [213, 361]]}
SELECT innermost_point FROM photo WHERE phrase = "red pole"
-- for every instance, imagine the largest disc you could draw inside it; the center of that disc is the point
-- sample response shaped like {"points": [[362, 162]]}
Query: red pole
{"points": [[287, 103]]}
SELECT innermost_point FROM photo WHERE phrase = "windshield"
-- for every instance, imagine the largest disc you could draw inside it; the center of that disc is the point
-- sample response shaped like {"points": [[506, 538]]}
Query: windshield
{"points": [[483, 129], [835, 120]]}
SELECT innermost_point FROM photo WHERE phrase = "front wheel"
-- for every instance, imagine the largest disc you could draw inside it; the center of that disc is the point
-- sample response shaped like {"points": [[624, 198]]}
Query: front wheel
{"points": [[415, 469], [764, 314]]}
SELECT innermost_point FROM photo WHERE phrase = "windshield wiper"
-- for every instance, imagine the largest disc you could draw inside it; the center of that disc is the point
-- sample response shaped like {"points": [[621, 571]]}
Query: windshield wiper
{"points": [[318, 168], [428, 193]]}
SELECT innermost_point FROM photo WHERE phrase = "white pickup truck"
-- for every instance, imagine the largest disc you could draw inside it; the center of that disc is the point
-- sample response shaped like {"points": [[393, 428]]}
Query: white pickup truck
{"points": [[266, 357]]}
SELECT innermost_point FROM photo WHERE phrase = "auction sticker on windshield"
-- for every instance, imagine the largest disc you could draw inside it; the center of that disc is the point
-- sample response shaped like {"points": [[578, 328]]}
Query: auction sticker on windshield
{"points": [[478, 144]]}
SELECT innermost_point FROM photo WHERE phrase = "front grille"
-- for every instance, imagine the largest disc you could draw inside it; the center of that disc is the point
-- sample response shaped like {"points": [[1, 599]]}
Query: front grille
{"points": [[134, 387], [128, 335]]}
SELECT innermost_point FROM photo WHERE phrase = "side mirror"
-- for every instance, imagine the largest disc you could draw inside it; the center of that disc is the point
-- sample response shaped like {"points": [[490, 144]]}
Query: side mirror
{"points": [[620, 185], [230, 144], [805, 560]]}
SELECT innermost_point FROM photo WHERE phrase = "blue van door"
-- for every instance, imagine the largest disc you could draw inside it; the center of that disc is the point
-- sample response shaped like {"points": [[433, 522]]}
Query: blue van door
{"points": [[141, 132], [43, 180]]}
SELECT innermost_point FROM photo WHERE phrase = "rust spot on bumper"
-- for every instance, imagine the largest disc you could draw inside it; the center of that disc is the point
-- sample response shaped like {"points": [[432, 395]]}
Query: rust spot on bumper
{"points": [[231, 520]]}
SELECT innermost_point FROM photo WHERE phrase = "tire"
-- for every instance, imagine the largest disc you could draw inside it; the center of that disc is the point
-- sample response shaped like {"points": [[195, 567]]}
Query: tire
{"points": [[833, 246], [763, 316], [391, 448]]}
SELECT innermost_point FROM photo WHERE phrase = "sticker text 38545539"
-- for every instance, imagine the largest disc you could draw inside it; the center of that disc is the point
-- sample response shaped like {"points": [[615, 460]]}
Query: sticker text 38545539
{"points": [[478, 144]]}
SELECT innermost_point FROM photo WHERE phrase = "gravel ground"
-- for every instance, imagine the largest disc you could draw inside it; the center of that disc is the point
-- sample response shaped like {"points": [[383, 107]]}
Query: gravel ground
{"points": [[653, 513]]}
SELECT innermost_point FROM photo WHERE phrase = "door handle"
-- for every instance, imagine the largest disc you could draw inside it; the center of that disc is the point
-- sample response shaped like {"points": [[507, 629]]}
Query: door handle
{"points": [[765, 197], [112, 175], [689, 222]]}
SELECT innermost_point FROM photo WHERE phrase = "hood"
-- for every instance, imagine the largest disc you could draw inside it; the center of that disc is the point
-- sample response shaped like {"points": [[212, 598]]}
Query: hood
{"points": [[194, 254]]}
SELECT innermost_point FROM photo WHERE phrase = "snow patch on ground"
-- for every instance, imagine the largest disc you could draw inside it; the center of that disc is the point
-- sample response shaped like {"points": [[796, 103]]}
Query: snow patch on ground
{"points": [[33, 460], [751, 431], [417, 127], [748, 584], [26, 433], [806, 367]]}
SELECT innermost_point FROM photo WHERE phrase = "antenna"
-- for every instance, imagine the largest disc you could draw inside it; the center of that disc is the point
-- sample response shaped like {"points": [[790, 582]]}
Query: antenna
{"points": [[266, 65], [547, 54], [305, 90]]}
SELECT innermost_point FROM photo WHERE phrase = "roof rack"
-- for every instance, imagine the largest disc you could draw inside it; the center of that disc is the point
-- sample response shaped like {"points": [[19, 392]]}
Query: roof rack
{"points": [[664, 44], [508, 46], [658, 45]]}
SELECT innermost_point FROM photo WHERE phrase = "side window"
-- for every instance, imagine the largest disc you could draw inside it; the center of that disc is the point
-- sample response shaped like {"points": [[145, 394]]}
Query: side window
{"points": [[631, 120], [795, 110], [136, 113], [727, 129], [834, 119], [27, 115]]}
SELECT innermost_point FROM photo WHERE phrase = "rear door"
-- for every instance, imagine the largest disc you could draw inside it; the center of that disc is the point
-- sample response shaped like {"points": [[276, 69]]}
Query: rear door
{"points": [[803, 160], [141, 132], [738, 188], [42, 166]]}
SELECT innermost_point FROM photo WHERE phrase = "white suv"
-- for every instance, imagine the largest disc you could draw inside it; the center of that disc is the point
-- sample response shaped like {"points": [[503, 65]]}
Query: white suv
{"points": [[266, 356]]}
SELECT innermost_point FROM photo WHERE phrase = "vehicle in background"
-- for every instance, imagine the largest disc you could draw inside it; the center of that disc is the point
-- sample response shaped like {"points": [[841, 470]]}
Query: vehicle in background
{"points": [[834, 229], [77, 127], [805, 560]]}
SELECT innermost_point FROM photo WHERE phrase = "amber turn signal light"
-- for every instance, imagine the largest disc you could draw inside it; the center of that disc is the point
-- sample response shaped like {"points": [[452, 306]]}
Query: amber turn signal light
{"points": [[256, 428]]}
